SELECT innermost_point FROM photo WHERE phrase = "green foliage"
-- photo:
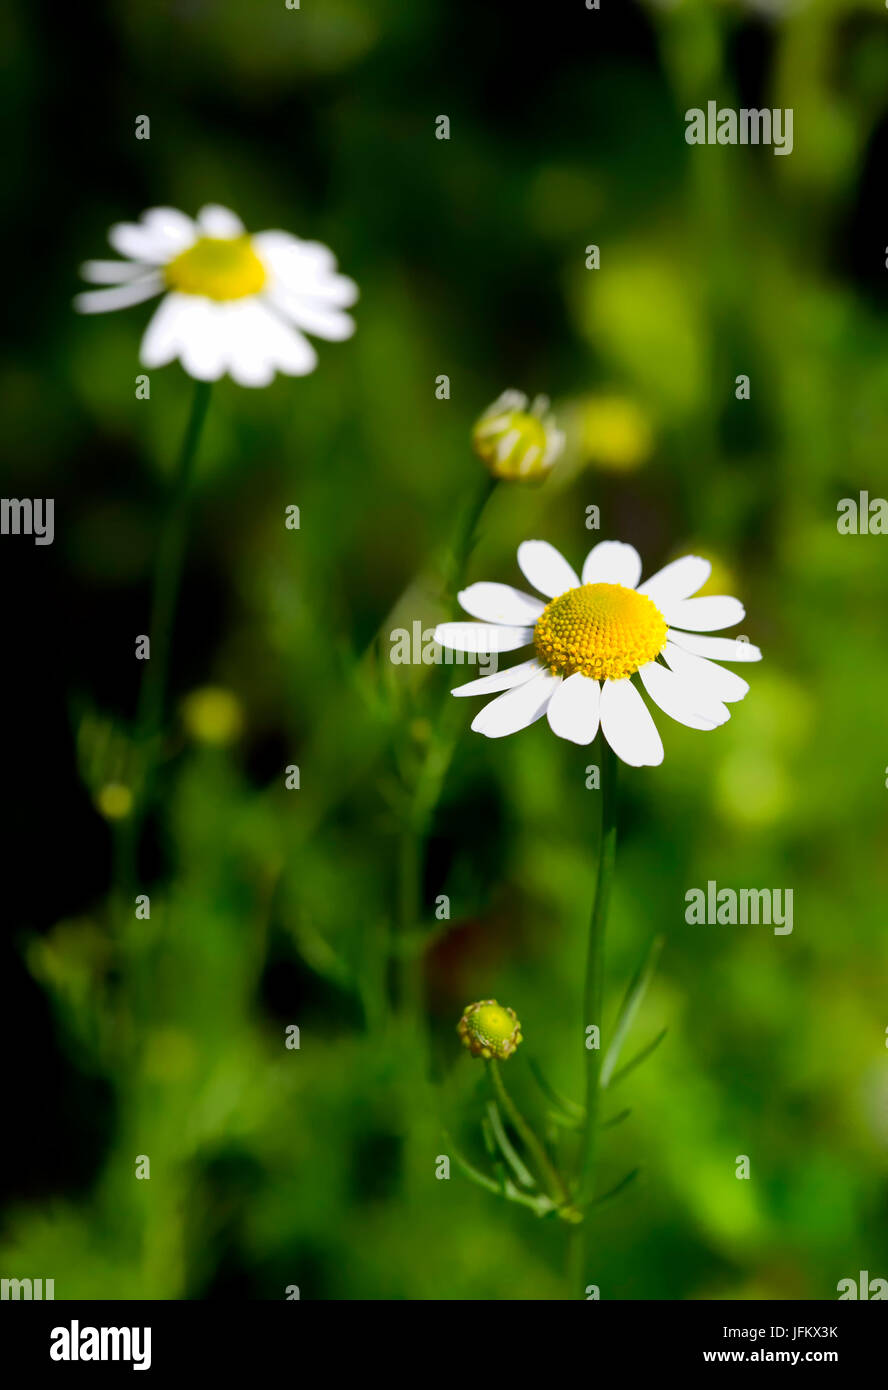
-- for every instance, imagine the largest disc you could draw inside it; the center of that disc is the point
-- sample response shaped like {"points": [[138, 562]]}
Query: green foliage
{"points": [[273, 1166]]}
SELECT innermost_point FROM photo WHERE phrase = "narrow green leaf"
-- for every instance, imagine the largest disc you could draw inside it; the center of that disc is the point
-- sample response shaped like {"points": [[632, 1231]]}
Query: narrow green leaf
{"points": [[522, 1174], [568, 1108], [565, 1121], [540, 1205], [615, 1191], [616, 1119], [639, 1057], [471, 1172], [499, 1167], [629, 1008]]}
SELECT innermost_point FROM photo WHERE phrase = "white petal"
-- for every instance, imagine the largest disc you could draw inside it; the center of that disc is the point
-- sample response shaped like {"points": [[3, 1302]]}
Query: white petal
{"points": [[528, 460], [703, 614], [254, 372], [216, 221], [337, 289], [716, 648], [111, 272], [517, 708], [628, 726], [545, 568], [509, 400], [121, 297], [482, 637], [681, 699], [500, 603], [312, 314], [507, 444], [298, 265], [168, 329], [705, 675], [250, 358], [139, 243], [260, 342], [204, 349], [612, 562], [573, 709], [678, 580], [171, 227], [500, 680]]}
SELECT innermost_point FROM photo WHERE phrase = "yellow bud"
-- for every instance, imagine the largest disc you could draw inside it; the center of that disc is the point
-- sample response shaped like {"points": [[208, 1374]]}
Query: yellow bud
{"points": [[212, 715], [489, 1029], [114, 801], [615, 433], [517, 443]]}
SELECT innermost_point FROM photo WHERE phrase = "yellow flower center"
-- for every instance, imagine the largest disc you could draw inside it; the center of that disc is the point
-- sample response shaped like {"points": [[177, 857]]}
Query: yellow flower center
{"points": [[606, 631], [492, 1023], [218, 267], [489, 1030]]}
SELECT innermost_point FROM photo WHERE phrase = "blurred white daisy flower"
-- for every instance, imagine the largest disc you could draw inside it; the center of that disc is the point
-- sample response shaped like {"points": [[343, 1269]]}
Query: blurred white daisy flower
{"points": [[232, 302], [591, 637]]}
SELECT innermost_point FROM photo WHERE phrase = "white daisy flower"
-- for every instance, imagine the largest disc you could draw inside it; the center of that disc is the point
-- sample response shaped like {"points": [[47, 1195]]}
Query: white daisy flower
{"points": [[232, 302], [591, 636]]}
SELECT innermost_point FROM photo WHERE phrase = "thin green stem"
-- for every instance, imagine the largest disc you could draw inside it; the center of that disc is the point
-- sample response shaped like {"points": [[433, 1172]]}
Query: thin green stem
{"points": [[428, 779], [167, 580], [545, 1167], [168, 573], [593, 992], [466, 533]]}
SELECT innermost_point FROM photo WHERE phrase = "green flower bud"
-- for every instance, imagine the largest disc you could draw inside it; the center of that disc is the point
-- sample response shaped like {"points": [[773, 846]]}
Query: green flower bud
{"points": [[489, 1030], [517, 443]]}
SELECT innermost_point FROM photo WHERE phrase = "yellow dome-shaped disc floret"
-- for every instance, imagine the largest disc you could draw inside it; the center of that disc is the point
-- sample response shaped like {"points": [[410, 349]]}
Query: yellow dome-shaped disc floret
{"points": [[218, 267], [605, 631], [488, 1029]]}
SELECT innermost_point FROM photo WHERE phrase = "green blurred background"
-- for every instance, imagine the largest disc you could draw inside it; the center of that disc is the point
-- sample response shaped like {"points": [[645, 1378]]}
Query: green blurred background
{"points": [[271, 907]]}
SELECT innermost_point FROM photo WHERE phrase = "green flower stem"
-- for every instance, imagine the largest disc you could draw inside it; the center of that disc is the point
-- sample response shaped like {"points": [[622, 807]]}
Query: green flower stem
{"points": [[152, 695], [422, 797], [593, 993], [463, 542], [168, 572], [544, 1165]]}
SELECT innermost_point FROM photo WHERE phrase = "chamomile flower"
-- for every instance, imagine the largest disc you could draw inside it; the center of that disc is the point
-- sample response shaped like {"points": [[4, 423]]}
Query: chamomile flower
{"points": [[232, 301], [592, 634], [489, 1029], [517, 441]]}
